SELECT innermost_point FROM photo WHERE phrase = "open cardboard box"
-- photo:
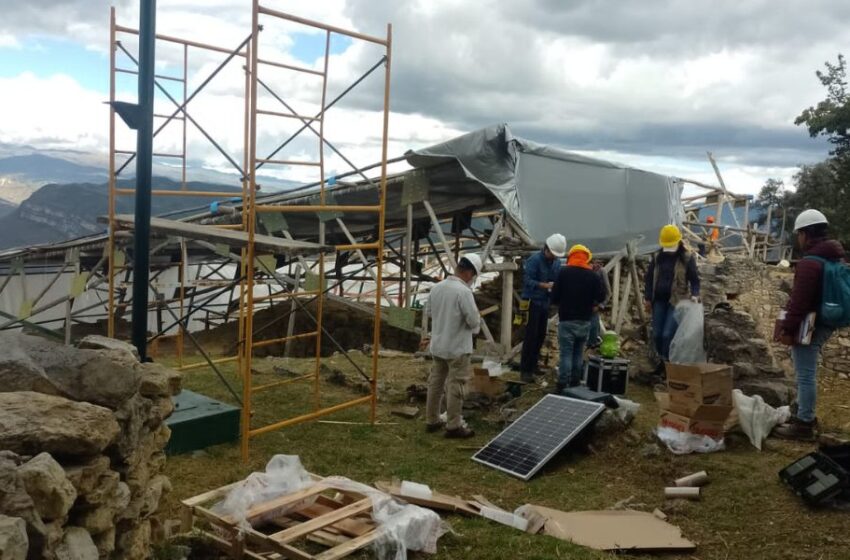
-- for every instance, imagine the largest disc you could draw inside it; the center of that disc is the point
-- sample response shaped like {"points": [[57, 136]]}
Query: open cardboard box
{"points": [[483, 382], [703, 419], [692, 385]]}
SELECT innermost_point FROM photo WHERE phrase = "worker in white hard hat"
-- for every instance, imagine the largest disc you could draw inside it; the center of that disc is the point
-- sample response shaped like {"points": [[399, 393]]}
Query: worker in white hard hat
{"points": [[813, 240], [455, 321], [539, 274]]}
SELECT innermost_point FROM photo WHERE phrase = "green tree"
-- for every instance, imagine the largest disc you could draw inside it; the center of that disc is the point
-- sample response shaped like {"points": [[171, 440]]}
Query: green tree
{"points": [[772, 196], [826, 185], [831, 117], [823, 186]]}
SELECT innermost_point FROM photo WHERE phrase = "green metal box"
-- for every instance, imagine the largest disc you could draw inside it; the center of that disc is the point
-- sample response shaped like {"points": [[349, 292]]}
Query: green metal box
{"points": [[199, 422]]}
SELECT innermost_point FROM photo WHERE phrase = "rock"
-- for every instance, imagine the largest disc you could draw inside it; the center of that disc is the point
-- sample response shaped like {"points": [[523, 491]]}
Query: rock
{"points": [[103, 491], [103, 377], [158, 487], [33, 422], [46, 483], [775, 392], [103, 517], [14, 543], [98, 342], [85, 476], [158, 381], [77, 544], [105, 542], [134, 543], [132, 416]]}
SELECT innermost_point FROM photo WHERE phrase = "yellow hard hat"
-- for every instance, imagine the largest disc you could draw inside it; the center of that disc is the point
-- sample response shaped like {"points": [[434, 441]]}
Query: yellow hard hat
{"points": [[670, 236], [581, 248]]}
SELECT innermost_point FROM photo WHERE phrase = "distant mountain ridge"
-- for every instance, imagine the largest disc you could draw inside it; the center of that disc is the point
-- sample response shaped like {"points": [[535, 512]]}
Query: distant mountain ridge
{"points": [[59, 212]]}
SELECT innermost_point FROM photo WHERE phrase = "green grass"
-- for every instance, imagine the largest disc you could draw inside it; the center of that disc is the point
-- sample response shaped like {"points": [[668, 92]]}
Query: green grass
{"points": [[745, 512]]}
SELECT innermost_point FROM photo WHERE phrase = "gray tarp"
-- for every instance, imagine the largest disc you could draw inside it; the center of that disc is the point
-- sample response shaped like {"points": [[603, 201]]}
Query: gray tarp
{"points": [[547, 190]]}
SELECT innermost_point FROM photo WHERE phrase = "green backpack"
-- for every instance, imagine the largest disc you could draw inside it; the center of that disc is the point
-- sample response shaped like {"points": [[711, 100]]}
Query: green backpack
{"points": [[835, 303]]}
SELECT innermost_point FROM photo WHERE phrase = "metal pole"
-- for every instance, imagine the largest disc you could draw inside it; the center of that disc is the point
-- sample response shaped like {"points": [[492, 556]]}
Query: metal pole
{"points": [[144, 149], [110, 246]]}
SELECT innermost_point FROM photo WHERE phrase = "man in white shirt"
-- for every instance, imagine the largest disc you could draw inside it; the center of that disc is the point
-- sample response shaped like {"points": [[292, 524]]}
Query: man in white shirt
{"points": [[455, 320]]}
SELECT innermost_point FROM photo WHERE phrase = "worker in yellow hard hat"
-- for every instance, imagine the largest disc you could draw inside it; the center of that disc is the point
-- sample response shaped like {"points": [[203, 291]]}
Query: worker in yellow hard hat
{"points": [[671, 277], [578, 292]]}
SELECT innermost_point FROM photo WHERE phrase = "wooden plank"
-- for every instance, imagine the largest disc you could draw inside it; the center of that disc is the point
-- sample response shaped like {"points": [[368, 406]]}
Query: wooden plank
{"points": [[209, 496], [347, 548], [277, 506], [350, 527], [262, 243], [438, 501], [303, 529]]}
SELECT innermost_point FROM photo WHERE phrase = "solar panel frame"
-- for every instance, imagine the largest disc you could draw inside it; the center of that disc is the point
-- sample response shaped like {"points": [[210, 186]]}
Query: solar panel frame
{"points": [[593, 411]]}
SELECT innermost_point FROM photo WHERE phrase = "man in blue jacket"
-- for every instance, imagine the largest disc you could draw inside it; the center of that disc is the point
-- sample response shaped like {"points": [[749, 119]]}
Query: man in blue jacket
{"points": [[539, 274]]}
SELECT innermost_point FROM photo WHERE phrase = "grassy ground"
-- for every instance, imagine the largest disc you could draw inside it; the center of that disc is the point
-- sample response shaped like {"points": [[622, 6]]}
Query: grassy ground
{"points": [[745, 512]]}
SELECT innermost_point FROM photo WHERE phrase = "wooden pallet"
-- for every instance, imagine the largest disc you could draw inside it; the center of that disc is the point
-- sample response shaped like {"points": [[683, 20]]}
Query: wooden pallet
{"points": [[333, 521]]}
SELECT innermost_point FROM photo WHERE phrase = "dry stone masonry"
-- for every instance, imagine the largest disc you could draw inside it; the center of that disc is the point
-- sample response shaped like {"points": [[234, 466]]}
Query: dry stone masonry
{"points": [[82, 435]]}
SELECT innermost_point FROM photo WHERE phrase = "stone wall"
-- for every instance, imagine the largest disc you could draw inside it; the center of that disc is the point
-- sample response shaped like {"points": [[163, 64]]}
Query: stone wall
{"points": [[82, 435]]}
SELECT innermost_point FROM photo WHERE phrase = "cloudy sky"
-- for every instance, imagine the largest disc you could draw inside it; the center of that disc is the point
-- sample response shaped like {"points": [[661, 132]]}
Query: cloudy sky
{"points": [[654, 83]]}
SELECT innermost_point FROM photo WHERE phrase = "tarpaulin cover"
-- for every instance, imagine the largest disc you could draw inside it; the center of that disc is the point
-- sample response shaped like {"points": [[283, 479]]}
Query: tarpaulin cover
{"points": [[598, 203]]}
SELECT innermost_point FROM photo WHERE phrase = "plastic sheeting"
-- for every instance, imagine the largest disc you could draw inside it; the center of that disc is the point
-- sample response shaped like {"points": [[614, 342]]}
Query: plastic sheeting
{"points": [[402, 526], [683, 443], [598, 203], [687, 346], [757, 418]]}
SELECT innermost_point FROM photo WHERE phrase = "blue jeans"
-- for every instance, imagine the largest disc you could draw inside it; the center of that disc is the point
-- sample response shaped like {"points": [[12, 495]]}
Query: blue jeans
{"points": [[595, 329], [572, 336], [535, 335], [806, 367], [663, 327]]}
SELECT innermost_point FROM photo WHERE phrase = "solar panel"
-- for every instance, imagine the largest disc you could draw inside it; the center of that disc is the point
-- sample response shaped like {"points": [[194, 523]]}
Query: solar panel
{"points": [[535, 437]]}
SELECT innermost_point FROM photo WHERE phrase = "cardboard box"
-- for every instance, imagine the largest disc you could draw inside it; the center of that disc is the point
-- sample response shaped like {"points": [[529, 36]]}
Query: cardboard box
{"points": [[482, 382], [691, 385], [706, 419]]}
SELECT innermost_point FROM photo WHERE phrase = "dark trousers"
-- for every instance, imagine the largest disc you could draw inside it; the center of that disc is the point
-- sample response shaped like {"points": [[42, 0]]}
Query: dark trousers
{"points": [[535, 334]]}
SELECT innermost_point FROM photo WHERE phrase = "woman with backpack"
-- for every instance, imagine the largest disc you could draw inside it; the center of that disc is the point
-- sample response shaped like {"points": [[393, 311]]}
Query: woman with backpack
{"points": [[820, 255]]}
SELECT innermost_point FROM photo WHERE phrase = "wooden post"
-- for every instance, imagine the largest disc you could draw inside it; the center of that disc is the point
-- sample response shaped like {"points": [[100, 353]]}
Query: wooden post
{"points": [[507, 309], [69, 305], [290, 327], [408, 256], [636, 281], [624, 304], [436, 223], [615, 298]]}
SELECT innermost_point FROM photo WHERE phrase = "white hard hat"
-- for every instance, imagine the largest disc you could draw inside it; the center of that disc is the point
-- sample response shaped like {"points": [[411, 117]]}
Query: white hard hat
{"points": [[808, 218], [475, 261], [557, 243]]}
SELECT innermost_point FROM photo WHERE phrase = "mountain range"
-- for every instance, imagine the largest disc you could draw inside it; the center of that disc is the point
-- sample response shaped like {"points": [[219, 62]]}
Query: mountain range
{"points": [[45, 199]]}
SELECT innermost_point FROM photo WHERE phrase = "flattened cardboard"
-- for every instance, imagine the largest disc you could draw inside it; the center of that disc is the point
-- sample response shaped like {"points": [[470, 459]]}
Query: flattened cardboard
{"points": [[612, 530], [703, 383]]}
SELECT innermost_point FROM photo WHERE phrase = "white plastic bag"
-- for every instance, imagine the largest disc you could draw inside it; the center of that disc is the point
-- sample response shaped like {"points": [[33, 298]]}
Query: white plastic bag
{"points": [[687, 344], [682, 443], [757, 418]]}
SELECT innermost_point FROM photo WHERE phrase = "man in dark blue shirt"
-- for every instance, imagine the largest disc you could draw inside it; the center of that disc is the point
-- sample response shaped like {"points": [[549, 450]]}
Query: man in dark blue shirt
{"points": [[539, 274]]}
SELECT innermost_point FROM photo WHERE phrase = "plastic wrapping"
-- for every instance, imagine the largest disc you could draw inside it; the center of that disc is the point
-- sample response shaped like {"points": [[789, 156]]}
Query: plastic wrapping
{"points": [[627, 410], [284, 474], [757, 418], [687, 344], [401, 526], [682, 443]]}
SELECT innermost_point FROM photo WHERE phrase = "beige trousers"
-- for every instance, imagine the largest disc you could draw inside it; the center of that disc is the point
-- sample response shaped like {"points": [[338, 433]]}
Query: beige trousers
{"points": [[448, 377]]}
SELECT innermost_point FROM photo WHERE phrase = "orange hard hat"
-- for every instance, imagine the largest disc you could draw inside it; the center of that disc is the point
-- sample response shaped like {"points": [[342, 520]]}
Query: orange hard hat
{"points": [[710, 219]]}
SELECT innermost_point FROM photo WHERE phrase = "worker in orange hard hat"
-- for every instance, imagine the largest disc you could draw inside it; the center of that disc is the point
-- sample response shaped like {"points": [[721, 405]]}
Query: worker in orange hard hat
{"points": [[672, 276], [578, 292]]}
